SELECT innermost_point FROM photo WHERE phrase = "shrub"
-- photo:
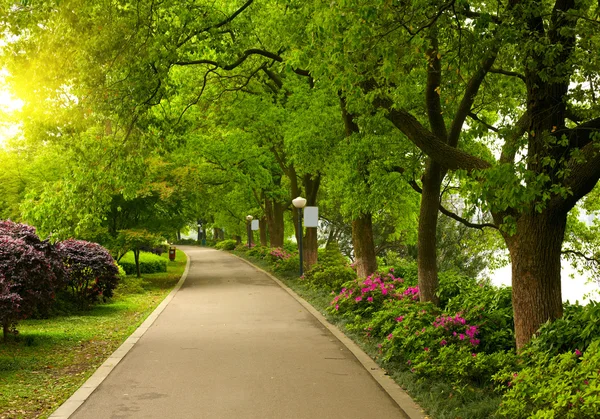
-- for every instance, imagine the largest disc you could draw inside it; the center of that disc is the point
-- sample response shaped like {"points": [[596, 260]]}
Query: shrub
{"points": [[332, 270], [91, 270], [226, 245], [290, 264], [260, 252], [560, 386], [31, 272], [365, 296], [148, 263], [491, 309]]}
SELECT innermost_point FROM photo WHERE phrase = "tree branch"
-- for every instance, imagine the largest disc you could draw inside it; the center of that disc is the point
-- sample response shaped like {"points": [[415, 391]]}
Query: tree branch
{"points": [[581, 255], [446, 155], [509, 149], [452, 215], [218, 25], [474, 117], [239, 61], [469, 97], [507, 73]]}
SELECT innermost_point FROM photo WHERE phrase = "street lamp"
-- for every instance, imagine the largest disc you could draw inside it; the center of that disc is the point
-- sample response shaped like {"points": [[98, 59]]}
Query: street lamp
{"points": [[249, 219], [300, 203]]}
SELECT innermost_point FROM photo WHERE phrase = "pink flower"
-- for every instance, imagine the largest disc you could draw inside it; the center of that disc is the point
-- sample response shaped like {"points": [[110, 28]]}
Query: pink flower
{"points": [[337, 307], [370, 299], [461, 336], [399, 319], [426, 349], [358, 299], [443, 342], [473, 354], [577, 352], [390, 336]]}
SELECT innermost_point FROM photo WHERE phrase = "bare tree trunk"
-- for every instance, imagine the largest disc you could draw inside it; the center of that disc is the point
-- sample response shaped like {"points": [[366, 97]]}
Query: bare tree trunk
{"points": [[275, 223], [136, 257], [262, 225], [311, 244], [364, 248], [427, 241], [238, 239], [5, 330], [535, 252]]}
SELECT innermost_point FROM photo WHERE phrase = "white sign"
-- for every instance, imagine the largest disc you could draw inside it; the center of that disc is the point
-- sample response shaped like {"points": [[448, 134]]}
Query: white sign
{"points": [[254, 225], [311, 216]]}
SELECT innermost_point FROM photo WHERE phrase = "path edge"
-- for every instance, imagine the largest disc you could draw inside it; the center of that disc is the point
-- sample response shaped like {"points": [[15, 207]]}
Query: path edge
{"points": [[73, 403], [410, 408]]}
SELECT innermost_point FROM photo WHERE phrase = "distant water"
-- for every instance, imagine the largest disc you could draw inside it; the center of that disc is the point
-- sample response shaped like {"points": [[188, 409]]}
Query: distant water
{"points": [[573, 289]]}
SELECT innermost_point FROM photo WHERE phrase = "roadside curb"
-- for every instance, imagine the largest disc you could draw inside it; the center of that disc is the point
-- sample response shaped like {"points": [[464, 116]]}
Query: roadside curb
{"points": [[76, 400], [410, 408]]}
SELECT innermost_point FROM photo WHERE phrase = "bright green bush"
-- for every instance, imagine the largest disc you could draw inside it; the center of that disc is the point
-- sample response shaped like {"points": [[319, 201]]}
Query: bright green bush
{"points": [[226, 245], [332, 270], [561, 386], [289, 264], [149, 263], [260, 252], [491, 309]]}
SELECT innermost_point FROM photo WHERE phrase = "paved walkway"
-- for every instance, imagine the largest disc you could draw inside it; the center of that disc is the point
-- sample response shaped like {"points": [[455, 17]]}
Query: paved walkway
{"points": [[234, 344]]}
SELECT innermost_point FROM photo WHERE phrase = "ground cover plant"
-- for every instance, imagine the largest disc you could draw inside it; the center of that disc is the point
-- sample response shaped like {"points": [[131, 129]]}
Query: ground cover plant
{"points": [[51, 358], [459, 359]]}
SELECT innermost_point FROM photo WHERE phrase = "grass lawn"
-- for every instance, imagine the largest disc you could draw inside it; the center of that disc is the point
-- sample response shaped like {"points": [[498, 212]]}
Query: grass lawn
{"points": [[51, 358]]}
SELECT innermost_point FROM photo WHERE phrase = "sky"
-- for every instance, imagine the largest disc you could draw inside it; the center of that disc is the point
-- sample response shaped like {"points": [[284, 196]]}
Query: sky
{"points": [[8, 105]]}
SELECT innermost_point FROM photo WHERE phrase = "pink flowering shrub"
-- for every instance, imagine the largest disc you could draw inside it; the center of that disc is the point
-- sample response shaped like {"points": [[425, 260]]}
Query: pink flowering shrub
{"points": [[277, 253], [363, 296]]}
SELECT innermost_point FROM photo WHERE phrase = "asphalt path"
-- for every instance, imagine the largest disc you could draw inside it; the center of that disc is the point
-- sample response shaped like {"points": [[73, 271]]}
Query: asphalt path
{"points": [[233, 344]]}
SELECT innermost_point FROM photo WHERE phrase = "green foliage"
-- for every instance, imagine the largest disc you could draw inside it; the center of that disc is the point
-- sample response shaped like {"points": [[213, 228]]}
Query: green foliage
{"points": [[149, 263], [554, 386], [226, 245], [331, 271]]}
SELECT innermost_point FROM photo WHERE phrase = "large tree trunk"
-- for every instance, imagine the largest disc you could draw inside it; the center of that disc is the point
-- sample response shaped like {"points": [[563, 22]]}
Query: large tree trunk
{"points": [[535, 252], [262, 225], [275, 222], [364, 247], [311, 247], [427, 241], [310, 243]]}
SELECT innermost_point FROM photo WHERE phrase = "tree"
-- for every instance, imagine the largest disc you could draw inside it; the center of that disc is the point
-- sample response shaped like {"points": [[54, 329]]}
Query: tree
{"points": [[91, 270], [31, 271], [532, 58]]}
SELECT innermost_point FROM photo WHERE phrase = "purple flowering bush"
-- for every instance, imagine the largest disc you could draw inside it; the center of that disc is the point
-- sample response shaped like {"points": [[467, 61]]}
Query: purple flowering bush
{"points": [[91, 270], [31, 272]]}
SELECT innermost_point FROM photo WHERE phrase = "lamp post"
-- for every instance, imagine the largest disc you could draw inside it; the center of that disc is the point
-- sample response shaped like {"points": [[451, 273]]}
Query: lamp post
{"points": [[249, 220], [300, 203]]}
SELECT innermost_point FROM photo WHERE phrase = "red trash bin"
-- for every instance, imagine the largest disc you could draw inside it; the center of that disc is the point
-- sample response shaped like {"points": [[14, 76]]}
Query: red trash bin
{"points": [[172, 253]]}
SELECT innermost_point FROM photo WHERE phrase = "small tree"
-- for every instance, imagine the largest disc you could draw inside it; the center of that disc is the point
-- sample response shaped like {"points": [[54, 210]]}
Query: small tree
{"points": [[136, 241], [30, 272], [91, 270]]}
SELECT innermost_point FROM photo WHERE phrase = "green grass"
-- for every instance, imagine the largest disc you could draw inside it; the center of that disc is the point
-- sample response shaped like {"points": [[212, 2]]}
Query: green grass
{"points": [[441, 400], [51, 358]]}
